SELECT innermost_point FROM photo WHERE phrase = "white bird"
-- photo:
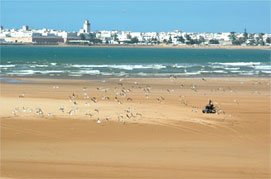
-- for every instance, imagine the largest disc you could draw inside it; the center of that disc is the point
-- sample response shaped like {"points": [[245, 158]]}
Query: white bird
{"points": [[24, 109], [139, 114], [15, 111], [89, 114], [62, 108], [87, 103], [129, 99], [39, 111], [97, 110], [22, 95]]}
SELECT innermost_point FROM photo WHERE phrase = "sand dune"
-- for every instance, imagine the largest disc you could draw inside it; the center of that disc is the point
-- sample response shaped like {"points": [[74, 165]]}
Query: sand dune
{"points": [[135, 128]]}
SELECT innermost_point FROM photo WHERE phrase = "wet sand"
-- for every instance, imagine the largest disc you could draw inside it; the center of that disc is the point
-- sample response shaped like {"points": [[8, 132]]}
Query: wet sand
{"points": [[154, 128]]}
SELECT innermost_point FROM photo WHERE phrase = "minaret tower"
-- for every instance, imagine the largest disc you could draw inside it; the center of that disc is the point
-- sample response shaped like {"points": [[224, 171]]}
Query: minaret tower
{"points": [[86, 27]]}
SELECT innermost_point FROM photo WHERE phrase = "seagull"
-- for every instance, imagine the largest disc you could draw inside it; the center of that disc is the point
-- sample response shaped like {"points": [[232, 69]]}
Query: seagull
{"points": [[22, 95], [89, 114], [97, 110], [24, 109], [129, 99], [129, 117], [62, 108], [15, 111], [194, 88], [94, 99], [139, 114], [159, 100], [39, 111], [194, 109], [105, 98], [71, 112]]}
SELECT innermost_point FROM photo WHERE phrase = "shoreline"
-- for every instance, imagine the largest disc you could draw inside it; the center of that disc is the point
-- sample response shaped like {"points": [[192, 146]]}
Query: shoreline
{"points": [[149, 46], [23, 79]]}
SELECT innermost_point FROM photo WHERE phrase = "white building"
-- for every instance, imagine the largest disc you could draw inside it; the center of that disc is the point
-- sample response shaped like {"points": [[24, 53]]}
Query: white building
{"points": [[86, 27]]}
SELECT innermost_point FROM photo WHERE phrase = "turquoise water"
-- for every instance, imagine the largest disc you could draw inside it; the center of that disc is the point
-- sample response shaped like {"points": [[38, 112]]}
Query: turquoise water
{"points": [[131, 62]]}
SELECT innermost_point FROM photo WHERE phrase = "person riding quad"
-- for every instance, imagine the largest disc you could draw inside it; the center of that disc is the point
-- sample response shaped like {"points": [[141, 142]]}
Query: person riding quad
{"points": [[209, 108], [211, 105]]}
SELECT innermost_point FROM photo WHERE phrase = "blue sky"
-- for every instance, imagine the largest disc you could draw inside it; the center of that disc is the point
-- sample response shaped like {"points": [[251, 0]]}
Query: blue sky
{"points": [[151, 15]]}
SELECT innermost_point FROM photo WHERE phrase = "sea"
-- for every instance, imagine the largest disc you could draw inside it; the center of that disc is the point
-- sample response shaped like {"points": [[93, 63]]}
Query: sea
{"points": [[86, 62]]}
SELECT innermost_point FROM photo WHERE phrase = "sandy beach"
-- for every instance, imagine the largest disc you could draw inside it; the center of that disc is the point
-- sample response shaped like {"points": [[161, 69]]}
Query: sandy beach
{"points": [[135, 128]]}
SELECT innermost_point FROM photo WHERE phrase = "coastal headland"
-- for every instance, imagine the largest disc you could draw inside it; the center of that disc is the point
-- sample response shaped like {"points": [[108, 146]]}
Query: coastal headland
{"points": [[135, 128]]}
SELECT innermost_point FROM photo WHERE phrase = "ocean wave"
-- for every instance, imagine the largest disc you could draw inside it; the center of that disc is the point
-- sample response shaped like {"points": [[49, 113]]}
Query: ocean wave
{"points": [[95, 72], [22, 72], [269, 72], [34, 66], [215, 71], [227, 68], [263, 67], [123, 67], [50, 71], [236, 63], [31, 72], [7, 66]]}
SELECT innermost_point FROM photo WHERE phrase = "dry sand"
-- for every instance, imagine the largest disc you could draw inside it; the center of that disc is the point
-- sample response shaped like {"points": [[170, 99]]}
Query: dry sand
{"points": [[162, 132]]}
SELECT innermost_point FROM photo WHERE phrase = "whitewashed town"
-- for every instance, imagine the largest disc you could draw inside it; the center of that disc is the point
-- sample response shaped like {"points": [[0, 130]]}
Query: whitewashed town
{"points": [[28, 35]]}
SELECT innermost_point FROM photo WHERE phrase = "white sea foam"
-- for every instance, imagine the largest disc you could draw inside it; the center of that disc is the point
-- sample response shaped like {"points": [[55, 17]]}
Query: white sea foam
{"points": [[142, 74], [263, 67], [227, 68], [219, 71], [192, 73], [95, 72], [22, 72], [216, 71], [34, 66], [123, 67], [7, 66], [82, 72], [49, 71], [74, 75], [53, 64], [31, 72], [237, 63]]}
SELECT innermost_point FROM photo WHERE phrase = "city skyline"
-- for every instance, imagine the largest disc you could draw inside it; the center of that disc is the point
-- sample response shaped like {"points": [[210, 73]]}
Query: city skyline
{"points": [[139, 16]]}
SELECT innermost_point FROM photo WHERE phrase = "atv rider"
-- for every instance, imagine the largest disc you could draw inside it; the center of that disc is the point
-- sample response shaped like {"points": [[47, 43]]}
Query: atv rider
{"points": [[211, 105]]}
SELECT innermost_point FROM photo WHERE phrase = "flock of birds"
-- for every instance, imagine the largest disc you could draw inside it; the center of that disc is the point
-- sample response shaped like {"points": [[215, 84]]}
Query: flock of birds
{"points": [[120, 94]]}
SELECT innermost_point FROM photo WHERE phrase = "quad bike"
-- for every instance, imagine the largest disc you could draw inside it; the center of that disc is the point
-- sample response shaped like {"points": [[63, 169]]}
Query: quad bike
{"points": [[209, 109]]}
